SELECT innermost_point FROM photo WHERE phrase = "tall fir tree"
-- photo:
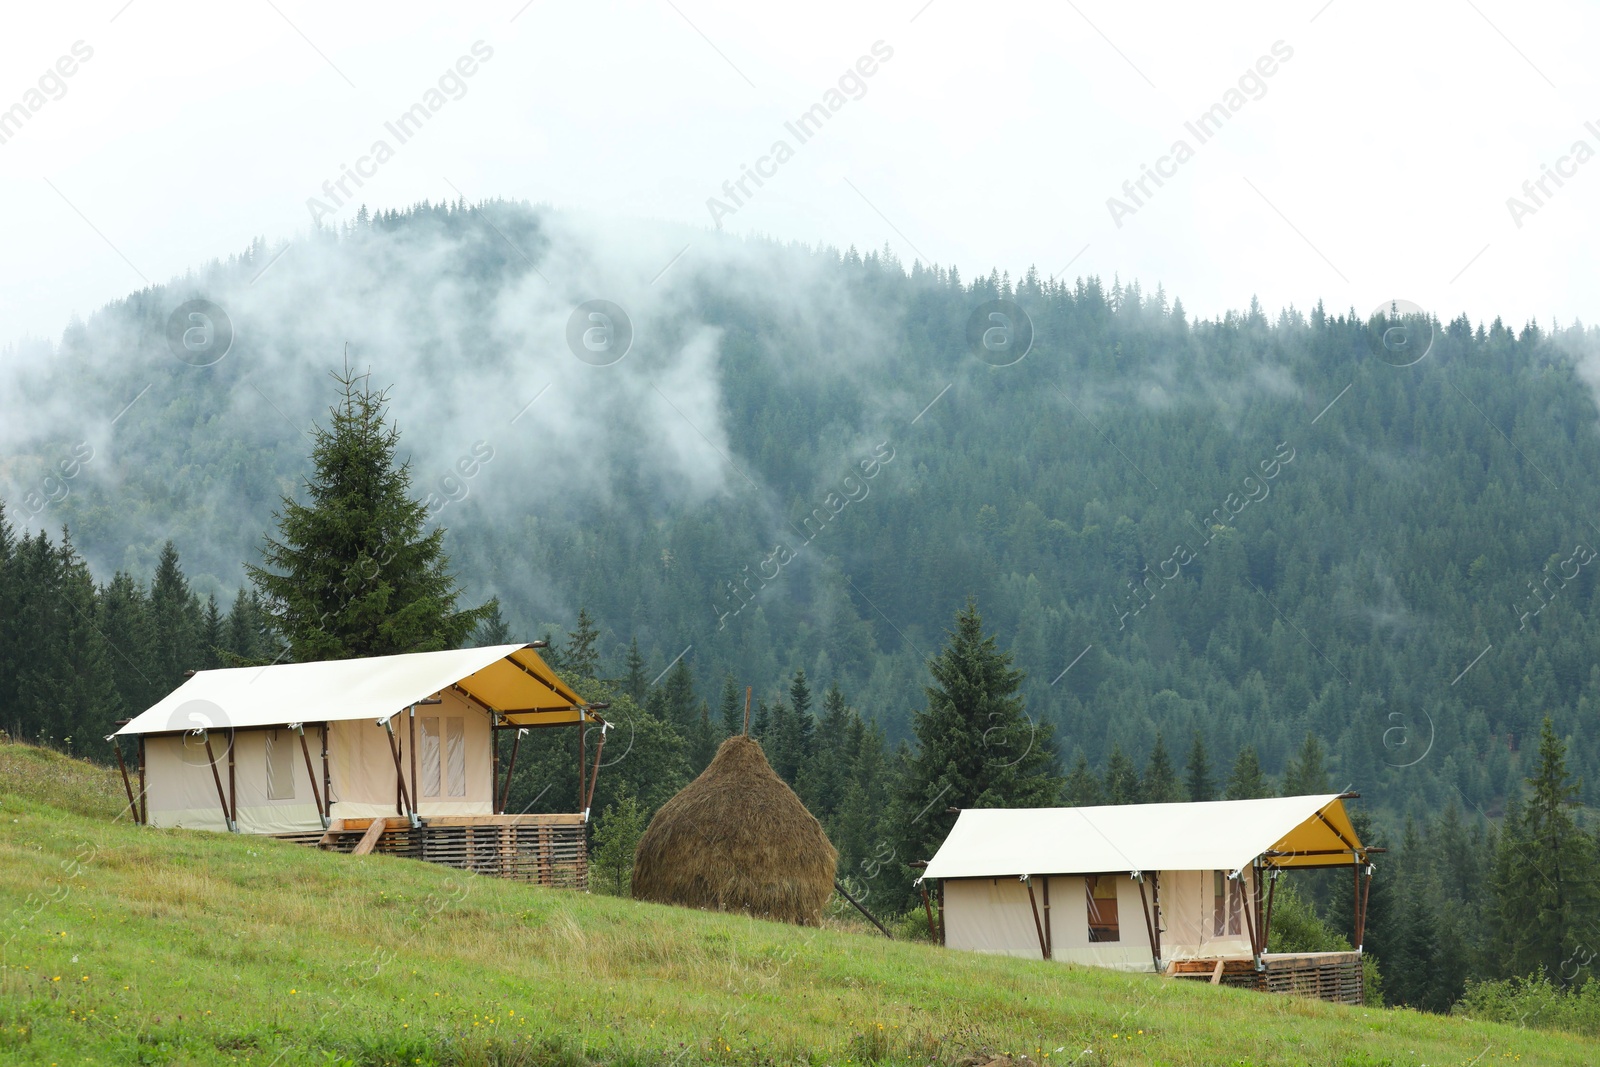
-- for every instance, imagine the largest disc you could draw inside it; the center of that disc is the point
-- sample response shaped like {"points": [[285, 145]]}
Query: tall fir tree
{"points": [[581, 657], [1307, 773], [1197, 781], [1545, 877], [353, 571], [492, 629], [1082, 788], [174, 624], [634, 680], [1160, 784], [975, 747], [732, 710], [1246, 781], [1122, 778]]}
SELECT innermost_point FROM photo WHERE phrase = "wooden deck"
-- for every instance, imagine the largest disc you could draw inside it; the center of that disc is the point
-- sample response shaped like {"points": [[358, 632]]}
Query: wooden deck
{"points": [[542, 849], [1331, 976]]}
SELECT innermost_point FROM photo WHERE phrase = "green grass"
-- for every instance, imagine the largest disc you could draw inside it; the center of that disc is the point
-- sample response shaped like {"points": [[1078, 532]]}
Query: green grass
{"points": [[129, 945]]}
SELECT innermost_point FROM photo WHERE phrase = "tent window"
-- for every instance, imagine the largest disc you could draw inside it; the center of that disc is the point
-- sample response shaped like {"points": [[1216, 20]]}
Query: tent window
{"points": [[1227, 905], [455, 747], [280, 765], [430, 756], [1101, 890]]}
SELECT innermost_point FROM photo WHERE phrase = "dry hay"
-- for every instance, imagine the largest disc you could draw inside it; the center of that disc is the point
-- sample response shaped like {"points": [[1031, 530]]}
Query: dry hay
{"points": [[737, 839]]}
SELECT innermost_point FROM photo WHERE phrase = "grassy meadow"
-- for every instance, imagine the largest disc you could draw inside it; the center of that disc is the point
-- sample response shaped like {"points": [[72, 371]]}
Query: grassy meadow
{"points": [[122, 945]]}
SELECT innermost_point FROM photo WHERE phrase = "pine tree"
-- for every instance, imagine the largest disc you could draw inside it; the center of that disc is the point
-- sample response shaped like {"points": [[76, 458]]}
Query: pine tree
{"points": [[1122, 778], [974, 746], [616, 837], [211, 635], [1246, 782], [1307, 774], [1082, 789], [352, 572], [1198, 781], [492, 629], [761, 723], [732, 710], [1160, 785], [805, 726], [580, 659], [174, 625], [781, 741], [1544, 882], [634, 682]]}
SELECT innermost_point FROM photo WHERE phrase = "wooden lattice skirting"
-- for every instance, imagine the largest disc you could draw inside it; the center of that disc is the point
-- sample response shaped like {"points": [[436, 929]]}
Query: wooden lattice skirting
{"points": [[1331, 976], [544, 850]]}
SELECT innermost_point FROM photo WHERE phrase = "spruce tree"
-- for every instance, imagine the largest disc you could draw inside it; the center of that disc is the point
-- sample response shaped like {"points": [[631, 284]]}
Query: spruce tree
{"points": [[1198, 781], [212, 638], [492, 629], [1082, 789], [956, 763], [174, 624], [1122, 778], [1246, 782], [732, 709], [634, 682], [1160, 785], [1307, 773], [1544, 881], [352, 571], [580, 658]]}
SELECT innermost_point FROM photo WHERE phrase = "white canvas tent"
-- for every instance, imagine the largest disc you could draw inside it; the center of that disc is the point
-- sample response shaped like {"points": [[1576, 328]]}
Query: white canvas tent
{"points": [[1137, 886], [289, 748]]}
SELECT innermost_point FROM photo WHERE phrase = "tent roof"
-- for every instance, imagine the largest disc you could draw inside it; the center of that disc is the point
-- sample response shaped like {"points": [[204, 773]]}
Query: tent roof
{"points": [[509, 679], [1223, 835]]}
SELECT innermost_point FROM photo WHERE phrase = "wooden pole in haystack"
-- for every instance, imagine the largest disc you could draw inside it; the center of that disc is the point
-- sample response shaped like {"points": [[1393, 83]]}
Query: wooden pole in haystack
{"points": [[747, 710]]}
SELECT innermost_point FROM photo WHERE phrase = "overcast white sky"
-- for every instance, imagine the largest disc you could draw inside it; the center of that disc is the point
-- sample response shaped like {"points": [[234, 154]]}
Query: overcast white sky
{"points": [[1377, 164]]}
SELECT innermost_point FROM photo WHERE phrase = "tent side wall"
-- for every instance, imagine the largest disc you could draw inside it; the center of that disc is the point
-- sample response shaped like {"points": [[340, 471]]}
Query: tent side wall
{"points": [[994, 915], [453, 757], [269, 783]]}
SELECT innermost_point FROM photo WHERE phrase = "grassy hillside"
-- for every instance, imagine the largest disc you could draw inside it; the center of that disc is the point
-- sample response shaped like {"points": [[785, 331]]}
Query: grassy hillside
{"points": [[123, 945]]}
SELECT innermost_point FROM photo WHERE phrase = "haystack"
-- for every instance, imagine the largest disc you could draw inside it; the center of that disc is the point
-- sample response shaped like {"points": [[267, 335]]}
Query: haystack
{"points": [[737, 839]]}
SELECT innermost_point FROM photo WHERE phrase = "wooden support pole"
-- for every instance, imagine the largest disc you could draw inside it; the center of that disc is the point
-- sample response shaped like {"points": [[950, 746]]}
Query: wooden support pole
{"points": [[222, 798], [1361, 931], [511, 768], [1049, 932], [415, 792], [116, 746], [862, 909], [233, 786], [928, 908], [581, 754], [1149, 925], [144, 802], [1250, 926], [1355, 904], [1044, 948], [494, 765], [399, 772], [1255, 903], [1155, 906], [594, 774], [1272, 890], [311, 774], [327, 777], [747, 710]]}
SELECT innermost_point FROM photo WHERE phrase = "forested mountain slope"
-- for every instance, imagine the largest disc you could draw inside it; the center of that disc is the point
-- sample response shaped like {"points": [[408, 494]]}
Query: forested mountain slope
{"points": [[1251, 528]]}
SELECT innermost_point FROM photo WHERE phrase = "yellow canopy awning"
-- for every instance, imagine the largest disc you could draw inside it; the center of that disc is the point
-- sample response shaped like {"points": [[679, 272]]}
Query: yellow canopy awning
{"points": [[1324, 839], [524, 691]]}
